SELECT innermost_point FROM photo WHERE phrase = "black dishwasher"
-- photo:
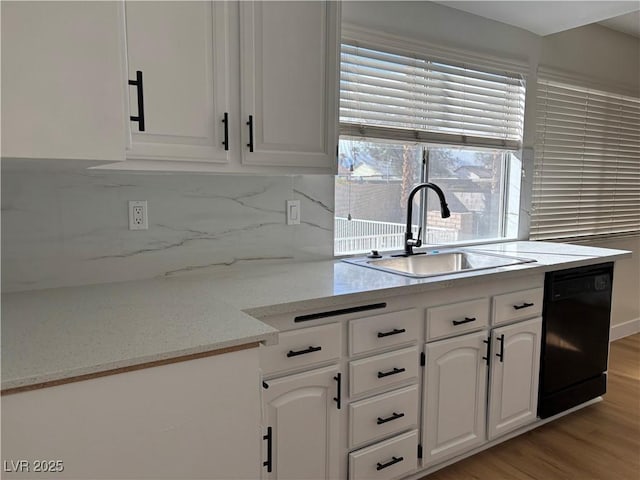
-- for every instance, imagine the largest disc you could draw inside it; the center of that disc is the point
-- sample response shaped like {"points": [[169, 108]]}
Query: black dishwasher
{"points": [[575, 337]]}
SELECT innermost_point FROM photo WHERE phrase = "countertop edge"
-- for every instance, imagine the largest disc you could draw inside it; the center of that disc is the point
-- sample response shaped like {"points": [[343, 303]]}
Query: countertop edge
{"points": [[136, 363]]}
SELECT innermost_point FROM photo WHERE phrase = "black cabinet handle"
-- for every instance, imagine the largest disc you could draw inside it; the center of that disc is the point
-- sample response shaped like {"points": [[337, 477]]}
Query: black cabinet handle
{"points": [[395, 371], [524, 305], [291, 353], [488, 342], [393, 461], [466, 320], [225, 120], [395, 416], [140, 118], [501, 354], [250, 123], [338, 399], [395, 331], [269, 438]]}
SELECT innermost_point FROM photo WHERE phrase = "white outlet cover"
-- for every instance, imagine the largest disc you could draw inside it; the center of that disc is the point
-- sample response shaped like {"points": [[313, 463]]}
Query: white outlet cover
{"points": [[138, 218], [293, 212]]}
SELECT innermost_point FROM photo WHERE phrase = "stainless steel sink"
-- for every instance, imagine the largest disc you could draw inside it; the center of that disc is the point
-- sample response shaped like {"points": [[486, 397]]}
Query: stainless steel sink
{"points": [[438, 263]]}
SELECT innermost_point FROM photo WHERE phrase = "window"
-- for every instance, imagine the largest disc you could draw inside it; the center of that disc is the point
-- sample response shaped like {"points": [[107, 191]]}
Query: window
{"points": [[408, 119], [587, 163]]}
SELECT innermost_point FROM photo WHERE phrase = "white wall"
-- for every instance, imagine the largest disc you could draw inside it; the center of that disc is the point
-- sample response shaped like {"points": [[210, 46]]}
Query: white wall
{"points": [[603, 55]]}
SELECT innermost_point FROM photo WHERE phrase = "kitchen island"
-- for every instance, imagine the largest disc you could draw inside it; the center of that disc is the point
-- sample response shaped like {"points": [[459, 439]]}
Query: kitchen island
{"points": [[58, 336]]}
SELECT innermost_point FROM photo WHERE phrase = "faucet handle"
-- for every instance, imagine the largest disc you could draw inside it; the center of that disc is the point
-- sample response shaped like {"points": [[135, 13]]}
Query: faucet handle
{"points": [[415, 242]]}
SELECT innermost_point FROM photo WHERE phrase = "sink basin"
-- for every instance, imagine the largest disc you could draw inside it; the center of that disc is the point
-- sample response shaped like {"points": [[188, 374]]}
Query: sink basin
{"points": [[438, 263]]}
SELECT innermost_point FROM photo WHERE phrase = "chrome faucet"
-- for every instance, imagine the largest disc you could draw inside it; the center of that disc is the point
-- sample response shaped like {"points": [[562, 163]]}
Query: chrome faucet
{"points": [[409, 241]]}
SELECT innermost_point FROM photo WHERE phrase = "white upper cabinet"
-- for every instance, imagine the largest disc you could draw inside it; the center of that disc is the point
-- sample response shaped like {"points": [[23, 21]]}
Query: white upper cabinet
{"points": [[249, 87], [62, 81], [289, 73], [182, 52]]}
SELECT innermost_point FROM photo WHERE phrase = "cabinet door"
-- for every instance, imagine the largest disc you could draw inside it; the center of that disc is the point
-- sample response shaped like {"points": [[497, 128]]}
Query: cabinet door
{"points": [[289, 83], [62, 81], [515, 363], [454, 393], [302, 414], [181, 48]]}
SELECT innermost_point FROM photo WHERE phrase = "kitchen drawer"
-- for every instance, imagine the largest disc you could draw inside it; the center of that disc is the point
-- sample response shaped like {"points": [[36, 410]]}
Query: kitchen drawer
{"points": [[383, 370], [301, 348], [517, 305], [381, 331], [386, 460], [457, 318], [383, 415]]}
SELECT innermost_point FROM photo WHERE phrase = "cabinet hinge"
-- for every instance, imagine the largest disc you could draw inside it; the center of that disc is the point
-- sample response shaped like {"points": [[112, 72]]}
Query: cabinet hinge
{"points": [[419, 451], [423, 359]]}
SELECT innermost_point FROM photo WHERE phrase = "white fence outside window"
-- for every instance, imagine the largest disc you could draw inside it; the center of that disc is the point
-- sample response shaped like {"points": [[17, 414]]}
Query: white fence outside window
{"points": [[360, 236]]}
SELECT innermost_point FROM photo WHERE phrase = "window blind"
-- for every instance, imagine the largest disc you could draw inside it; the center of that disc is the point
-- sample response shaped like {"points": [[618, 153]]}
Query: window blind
{"points": [[413, 98], [586, 163]]}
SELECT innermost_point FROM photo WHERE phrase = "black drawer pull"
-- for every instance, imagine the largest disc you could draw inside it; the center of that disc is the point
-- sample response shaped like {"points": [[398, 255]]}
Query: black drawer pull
{"points": [[395, 331], [466, 320], [488, 342], [302, 352], [338, 398], [389, 463], [139, 88], [250, 123], [524, 305], [395, 371], [500, 355], [225, 120], [389, 419], [269, 438]]}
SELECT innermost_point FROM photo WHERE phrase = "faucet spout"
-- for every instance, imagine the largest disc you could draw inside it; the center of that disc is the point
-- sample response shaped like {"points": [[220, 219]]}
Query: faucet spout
{"points": [[409, 241]]}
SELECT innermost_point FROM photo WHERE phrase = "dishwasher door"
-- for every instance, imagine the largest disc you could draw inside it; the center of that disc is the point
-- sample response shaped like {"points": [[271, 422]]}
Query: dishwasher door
{"points": [[575, 337]]}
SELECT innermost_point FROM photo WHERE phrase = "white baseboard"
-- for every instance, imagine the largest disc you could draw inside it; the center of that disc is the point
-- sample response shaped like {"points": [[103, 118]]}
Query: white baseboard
{"points": [[625, 329]]}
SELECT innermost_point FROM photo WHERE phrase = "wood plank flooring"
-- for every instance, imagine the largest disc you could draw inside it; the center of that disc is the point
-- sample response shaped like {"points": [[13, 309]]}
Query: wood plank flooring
{"points": [[599, 442]]}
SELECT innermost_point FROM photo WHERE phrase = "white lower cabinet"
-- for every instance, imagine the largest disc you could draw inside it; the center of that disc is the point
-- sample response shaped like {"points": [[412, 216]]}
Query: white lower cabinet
{"points": [[513, 392], [479, 382], [191, 419], [454, 396], [301, 421]]}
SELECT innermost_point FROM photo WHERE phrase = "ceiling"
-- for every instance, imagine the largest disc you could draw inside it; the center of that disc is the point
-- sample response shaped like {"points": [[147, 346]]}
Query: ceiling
{"points": [[548, 17]]}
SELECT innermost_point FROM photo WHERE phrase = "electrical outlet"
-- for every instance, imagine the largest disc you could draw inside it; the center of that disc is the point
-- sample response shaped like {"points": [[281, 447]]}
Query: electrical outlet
{"points": [[138, 215]]}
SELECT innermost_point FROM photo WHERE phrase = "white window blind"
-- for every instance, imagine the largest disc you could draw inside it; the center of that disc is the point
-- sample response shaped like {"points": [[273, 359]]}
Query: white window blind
{"points": [[587, 163], [412, 98]]}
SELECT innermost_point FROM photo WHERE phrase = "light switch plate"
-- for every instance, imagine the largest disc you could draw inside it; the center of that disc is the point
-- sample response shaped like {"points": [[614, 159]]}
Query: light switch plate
{"points": [[293, 212]]}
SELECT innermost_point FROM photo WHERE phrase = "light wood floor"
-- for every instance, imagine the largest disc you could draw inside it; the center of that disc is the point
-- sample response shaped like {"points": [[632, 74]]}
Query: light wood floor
{"points": [[599, 442]]}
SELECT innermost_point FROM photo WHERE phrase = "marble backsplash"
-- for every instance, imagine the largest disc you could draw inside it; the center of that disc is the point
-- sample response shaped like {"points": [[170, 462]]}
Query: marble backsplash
{"points": [[71, 228]]}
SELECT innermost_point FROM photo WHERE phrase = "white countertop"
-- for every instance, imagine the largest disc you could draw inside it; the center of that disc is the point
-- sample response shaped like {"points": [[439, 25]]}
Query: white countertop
{"points": [[56, 334]]}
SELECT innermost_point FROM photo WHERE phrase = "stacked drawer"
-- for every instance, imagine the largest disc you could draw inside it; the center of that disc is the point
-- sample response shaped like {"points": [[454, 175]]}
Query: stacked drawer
{"points": [[384, 393]]}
